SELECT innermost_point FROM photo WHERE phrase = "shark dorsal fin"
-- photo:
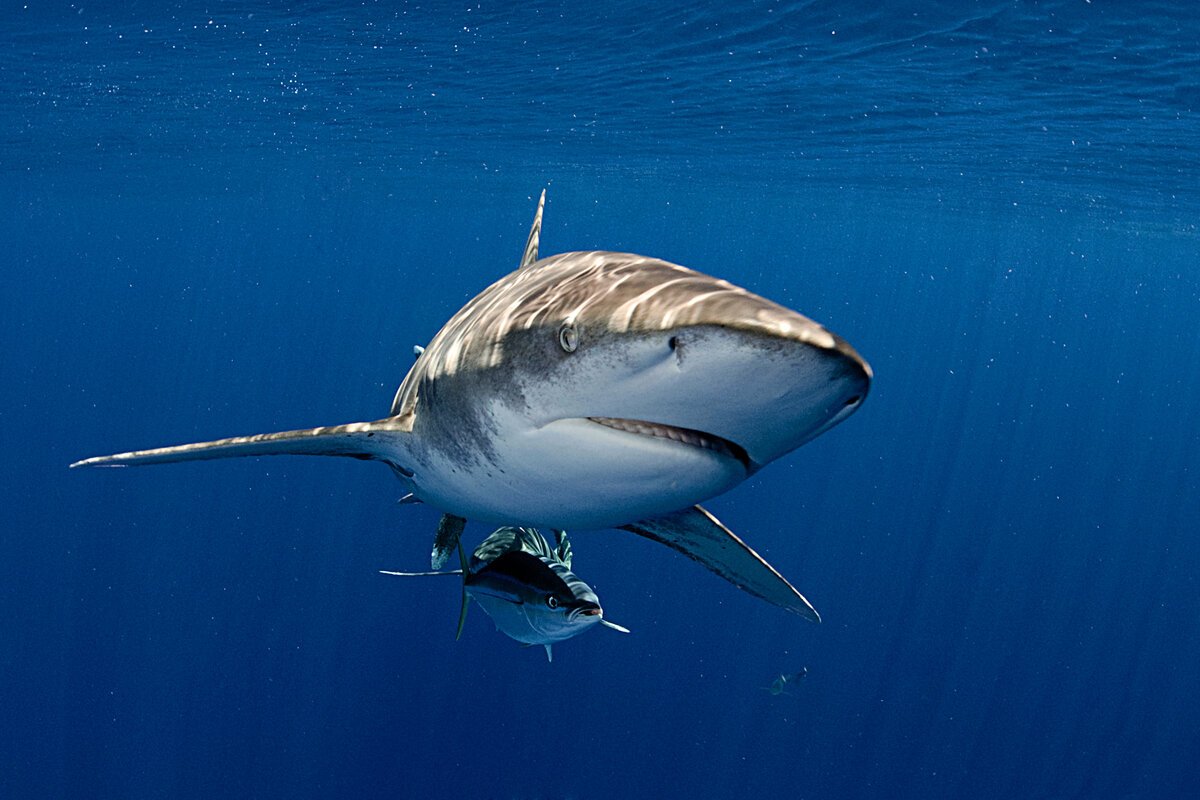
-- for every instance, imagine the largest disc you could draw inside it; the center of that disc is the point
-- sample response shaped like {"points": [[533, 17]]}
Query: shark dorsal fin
{"points": [[535, 234]]}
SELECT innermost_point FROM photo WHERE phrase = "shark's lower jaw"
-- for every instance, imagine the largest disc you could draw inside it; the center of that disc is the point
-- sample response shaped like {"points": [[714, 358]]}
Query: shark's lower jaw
{"points": [[685, 436]]}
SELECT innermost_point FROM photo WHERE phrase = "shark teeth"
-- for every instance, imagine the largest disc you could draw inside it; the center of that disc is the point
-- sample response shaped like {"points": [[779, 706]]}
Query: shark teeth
{"points": [[686, 436]]}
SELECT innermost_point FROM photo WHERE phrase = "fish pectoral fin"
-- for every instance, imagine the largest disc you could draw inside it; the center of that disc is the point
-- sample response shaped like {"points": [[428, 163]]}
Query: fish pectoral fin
{"points": [[420, 574], [701, 536], [449, 531], [614, 626], [497, 592], [379, 440], [466, 598]]}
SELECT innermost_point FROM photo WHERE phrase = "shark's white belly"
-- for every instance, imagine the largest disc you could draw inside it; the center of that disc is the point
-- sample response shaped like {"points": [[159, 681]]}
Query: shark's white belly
{"points": [[573, 474]]}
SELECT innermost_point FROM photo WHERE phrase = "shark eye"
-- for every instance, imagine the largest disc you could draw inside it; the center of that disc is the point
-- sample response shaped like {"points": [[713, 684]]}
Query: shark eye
{"points": [[552, 601], [568, 337]]}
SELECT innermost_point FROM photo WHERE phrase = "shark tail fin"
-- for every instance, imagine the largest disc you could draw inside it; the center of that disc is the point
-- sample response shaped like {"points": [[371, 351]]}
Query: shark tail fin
{"points": [[462, 613], [366, 440]]}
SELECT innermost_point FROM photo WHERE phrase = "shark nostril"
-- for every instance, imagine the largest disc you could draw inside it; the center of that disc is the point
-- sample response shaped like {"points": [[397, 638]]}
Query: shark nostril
{"points": [[678, 349]]}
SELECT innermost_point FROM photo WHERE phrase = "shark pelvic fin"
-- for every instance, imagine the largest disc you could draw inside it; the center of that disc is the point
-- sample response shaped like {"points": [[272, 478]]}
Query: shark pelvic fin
{"points": [[701, 536], [379, 440], [535, 234], [449, 531]]}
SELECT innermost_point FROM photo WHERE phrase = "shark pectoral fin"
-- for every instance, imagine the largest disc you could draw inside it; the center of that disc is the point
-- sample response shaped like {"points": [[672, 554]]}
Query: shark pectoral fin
{"points": [[549, 653], [535, 234], [449, 531], [466, 598], [381, 440], [701, 536], [614, 626]]}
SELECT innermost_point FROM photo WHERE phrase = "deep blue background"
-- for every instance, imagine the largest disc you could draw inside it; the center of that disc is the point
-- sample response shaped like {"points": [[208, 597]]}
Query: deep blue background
{"points": [[236, 219]]}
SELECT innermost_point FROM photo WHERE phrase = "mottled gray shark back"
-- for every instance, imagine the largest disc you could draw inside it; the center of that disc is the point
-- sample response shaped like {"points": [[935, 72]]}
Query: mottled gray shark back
{"points": [[622, 292]]}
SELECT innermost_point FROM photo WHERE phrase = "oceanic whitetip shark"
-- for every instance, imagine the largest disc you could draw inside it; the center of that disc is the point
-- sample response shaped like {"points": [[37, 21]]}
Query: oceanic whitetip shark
{"points": [[527, 588], [596, 390]]}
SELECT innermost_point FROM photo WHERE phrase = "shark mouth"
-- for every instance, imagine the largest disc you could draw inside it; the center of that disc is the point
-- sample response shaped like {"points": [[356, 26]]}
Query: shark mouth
{"points": [[657, 430]]}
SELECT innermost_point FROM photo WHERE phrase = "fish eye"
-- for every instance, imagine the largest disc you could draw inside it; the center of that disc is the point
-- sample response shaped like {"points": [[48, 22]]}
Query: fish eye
{"points": [[552, 601], [568, 337]]}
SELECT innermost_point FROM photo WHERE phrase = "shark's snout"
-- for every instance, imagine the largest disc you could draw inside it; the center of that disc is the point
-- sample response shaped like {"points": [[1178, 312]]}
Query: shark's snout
{"points": [[753, 388]]}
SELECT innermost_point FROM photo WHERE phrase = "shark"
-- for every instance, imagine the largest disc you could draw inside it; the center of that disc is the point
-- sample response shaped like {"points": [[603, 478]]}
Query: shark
{"points": [[595, 390], [526, 587]]}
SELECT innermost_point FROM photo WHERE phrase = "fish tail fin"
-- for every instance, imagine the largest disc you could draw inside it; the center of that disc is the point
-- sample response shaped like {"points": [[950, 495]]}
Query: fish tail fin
{"points": [[380, 440]]}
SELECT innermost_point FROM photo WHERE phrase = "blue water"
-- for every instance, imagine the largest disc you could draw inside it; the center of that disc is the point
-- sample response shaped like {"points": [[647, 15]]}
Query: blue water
{"points": [[241, 218]]}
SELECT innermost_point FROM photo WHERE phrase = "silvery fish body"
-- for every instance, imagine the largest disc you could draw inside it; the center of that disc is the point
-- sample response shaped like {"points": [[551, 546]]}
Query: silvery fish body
{"points": [[528, 589]]}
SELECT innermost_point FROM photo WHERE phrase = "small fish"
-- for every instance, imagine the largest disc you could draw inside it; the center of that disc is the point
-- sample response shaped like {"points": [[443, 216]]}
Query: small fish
{"points": [[780, 684], [527, 588]]}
